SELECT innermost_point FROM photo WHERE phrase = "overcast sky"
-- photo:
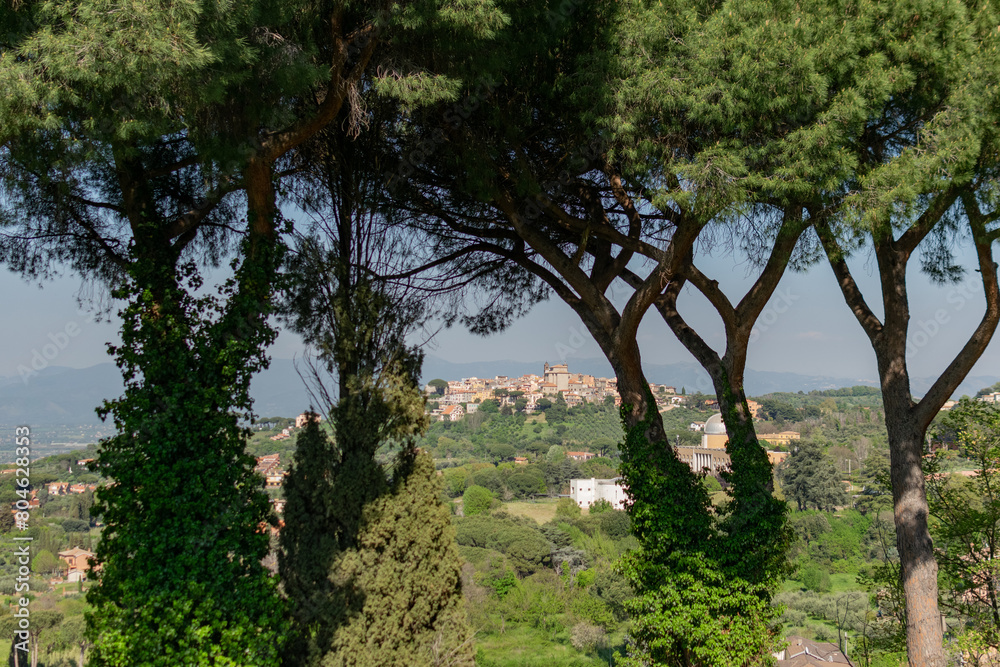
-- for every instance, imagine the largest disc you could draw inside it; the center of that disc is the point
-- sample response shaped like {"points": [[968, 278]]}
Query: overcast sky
{"points": [[806, 329]]}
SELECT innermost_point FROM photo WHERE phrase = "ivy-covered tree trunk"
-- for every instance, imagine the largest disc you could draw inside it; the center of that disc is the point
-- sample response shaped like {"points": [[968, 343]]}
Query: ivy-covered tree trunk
{"points": [[186, 516], [689, 607], [695, 603]]}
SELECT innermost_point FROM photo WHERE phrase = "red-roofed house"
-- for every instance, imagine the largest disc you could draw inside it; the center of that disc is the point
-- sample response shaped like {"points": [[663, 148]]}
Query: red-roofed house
{"points": [[803, 652], [78, 562], [452, 413]]}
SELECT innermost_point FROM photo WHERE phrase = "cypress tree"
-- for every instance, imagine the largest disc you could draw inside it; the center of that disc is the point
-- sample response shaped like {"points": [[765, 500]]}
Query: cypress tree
{"points": [[370, 568], [402, 584], [308, 543]]}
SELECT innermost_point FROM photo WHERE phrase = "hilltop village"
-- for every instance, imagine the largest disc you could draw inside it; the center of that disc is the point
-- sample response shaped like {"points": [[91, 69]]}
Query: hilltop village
{"points": [[451, 400], [528, 470]]}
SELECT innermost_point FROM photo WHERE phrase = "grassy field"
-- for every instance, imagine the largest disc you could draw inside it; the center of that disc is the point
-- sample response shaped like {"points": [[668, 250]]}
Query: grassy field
{"points": [[839, 583], [522, 646], [542, 511]]}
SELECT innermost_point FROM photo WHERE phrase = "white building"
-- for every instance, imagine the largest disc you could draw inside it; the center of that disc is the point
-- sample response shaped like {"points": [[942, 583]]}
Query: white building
{"points": [[585, 492]]}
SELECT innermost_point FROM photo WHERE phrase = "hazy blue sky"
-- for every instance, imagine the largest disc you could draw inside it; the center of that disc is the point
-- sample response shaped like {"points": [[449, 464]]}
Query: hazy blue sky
{"points": [[807, 328]]}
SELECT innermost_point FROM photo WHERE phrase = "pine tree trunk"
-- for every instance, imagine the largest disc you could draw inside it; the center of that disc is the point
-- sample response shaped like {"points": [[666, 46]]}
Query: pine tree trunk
{"points": [[634, 391], [918, 567]]}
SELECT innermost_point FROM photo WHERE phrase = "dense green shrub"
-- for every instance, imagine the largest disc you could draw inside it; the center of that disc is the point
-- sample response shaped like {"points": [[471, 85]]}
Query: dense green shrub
{"points": [[567, 508], [476, 500], [519, 539], [815, 578]]}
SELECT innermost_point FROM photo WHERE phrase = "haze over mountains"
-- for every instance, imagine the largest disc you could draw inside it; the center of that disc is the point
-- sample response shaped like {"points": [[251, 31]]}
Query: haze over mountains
{"points": [[68, 396]]}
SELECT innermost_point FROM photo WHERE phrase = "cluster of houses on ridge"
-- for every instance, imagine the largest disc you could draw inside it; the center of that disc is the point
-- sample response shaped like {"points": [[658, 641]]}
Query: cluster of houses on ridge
{"points": [[464, 396], [300, 422], [269, 467]]}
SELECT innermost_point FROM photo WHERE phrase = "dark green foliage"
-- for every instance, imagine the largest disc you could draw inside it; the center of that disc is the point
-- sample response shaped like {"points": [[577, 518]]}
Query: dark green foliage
{"points": [[616, 524], [182, 578], [810, 479], [557, 412], [809, 526], [519, 539], [815, 578], [400, 585], [556, 535], [501, 452], [560, 472], [527, 484], [777, 410], [611, 587], [75, 525], [313, 534], [489, 478]]}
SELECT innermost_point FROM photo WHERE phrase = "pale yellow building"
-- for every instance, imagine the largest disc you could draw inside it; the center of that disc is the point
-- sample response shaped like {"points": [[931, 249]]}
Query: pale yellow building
{"points": [[776, 457], [714, 434], [700, 459], [557, 375], [782, 438]]}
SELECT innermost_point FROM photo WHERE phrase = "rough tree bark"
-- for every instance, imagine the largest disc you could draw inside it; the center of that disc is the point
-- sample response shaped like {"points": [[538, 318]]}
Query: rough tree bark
{"points": [[907, 420]]}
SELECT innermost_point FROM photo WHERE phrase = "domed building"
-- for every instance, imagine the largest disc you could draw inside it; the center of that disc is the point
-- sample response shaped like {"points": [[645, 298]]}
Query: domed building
{"points": [[714, 436]]}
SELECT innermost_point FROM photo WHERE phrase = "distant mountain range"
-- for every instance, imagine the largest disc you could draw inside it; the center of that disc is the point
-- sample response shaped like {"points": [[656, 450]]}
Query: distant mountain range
{"points": [[68, 396]]}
